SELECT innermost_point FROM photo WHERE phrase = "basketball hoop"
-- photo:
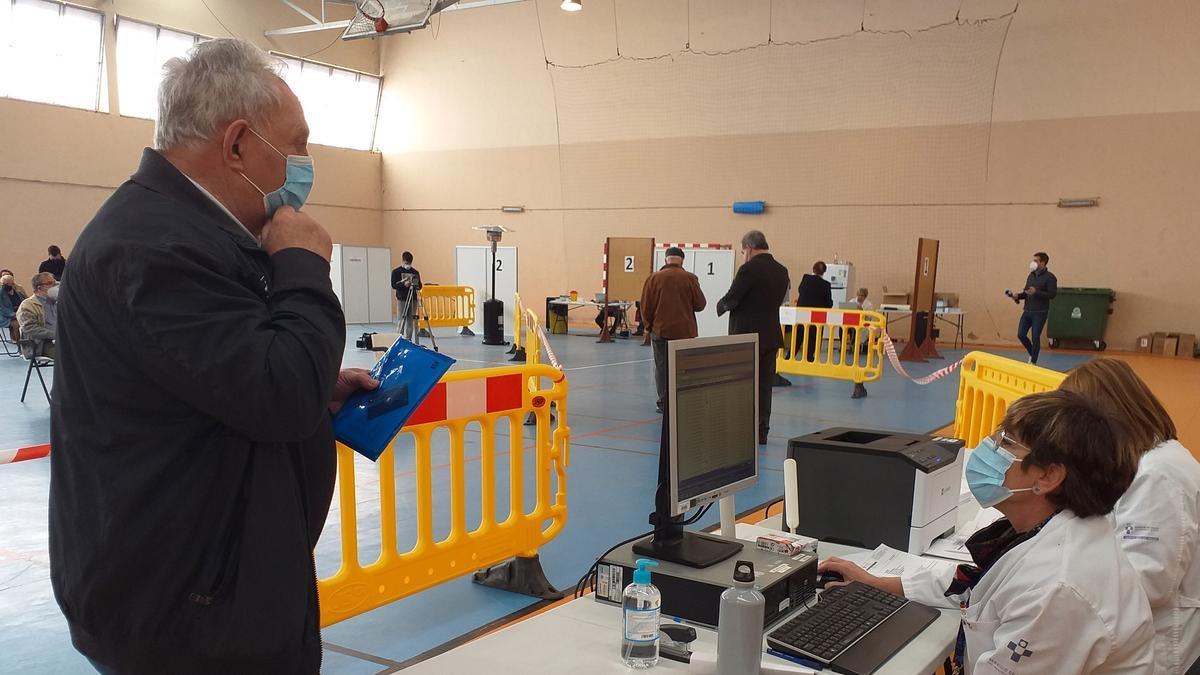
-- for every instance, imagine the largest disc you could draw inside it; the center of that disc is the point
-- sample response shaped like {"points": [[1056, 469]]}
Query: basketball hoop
{"points": [[373, 11]]}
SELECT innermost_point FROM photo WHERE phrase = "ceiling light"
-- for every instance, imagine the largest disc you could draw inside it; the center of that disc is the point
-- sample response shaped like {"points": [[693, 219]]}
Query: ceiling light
{"points": [[572, 5]]}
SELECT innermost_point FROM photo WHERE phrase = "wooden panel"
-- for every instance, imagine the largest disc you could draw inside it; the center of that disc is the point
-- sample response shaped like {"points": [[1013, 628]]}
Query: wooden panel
{"points": [[630, 261]]}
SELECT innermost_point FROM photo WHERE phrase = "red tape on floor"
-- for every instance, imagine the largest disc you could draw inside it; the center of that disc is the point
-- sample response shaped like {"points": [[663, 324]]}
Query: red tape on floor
{"points": [[932, 377]]}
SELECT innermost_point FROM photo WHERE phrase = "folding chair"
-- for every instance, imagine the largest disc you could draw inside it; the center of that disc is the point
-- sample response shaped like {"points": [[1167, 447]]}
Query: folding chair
{"points": [[11, 349], [36, 363]]}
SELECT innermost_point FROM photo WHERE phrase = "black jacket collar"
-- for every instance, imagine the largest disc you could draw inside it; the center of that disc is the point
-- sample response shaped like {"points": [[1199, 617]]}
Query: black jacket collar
{"points": [[157, 174]]}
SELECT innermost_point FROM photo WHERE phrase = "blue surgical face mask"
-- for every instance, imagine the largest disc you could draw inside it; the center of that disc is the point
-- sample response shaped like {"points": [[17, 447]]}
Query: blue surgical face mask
{"points": [[986, 469], [297, 181]]}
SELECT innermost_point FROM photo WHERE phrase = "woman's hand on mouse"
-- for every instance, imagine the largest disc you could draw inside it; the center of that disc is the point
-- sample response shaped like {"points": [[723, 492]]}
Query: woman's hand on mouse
{"points": [[851, 572]]}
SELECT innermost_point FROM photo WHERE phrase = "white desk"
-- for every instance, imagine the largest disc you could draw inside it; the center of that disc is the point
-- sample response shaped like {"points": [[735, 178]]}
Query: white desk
{"points": [[584, 637], [605, 336]]}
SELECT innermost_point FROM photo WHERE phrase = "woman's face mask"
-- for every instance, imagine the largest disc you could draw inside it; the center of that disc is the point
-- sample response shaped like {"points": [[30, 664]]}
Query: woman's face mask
{"points": [[986, 469]]}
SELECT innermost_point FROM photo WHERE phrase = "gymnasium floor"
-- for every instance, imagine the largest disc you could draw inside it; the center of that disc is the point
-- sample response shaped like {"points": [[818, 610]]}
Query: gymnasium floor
{"points": [[613, 454]]}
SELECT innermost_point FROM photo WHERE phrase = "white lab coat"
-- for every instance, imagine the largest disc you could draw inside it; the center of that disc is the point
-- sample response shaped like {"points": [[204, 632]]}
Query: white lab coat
{"points": [[1065, 601], [1156, 524]]}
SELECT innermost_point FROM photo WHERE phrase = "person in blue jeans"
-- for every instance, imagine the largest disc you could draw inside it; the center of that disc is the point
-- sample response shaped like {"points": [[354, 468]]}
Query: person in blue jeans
{"points": [[1040, 287]]}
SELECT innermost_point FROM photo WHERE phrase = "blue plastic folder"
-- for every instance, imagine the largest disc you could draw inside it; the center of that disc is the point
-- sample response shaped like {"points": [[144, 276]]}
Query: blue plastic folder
{"points": [[370, 419]]}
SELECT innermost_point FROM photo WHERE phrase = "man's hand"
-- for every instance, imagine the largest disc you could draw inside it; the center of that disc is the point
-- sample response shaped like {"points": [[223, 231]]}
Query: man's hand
{"points": [[1031, 291], [349, 381], [289, 228]]}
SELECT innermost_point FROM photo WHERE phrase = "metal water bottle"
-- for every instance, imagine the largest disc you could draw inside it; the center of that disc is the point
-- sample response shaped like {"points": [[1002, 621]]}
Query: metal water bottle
{"points": [[740, 624]]}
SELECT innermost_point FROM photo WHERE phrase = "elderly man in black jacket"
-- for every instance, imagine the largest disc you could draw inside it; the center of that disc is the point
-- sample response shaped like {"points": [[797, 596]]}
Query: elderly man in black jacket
{"points": [[199, 345], [759, 288]]}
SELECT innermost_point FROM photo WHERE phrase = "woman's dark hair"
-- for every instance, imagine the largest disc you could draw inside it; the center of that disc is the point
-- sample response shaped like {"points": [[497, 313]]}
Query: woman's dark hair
{"points": [[406, 257], [1066, 428], [54, 250]]}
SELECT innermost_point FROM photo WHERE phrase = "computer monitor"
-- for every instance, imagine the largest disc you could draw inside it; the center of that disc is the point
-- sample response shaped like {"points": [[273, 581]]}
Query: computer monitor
{"points": [[709, 444]]}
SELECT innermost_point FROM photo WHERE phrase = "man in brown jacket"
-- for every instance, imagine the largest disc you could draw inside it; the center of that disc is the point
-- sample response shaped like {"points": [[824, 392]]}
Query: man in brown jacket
{"points": [[670, 299]]}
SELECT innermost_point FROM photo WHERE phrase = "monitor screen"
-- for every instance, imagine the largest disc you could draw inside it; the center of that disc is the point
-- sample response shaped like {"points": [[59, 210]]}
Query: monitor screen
{"points": [[713, 399]]}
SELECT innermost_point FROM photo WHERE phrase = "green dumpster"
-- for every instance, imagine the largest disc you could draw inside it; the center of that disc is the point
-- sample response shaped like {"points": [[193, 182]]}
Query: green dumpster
{"points": [[1080, 314]]}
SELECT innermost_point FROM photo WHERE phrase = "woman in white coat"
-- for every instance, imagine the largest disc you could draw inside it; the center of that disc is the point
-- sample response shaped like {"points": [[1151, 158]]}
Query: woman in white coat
{"points": [[1158, 517], [1050, 590]]}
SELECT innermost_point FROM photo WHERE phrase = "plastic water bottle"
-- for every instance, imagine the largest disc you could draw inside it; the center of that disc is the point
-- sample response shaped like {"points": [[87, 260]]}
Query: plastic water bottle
{"points": [[740, 624], [641, 606]]}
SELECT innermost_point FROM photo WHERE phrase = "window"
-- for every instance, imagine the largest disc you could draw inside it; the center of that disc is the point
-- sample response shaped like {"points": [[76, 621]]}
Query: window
{"points": [[340, 105], [142, 50], [51, 53]]}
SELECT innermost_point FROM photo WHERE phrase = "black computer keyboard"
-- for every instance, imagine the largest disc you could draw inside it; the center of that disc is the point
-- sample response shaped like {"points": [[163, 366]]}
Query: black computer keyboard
{"points": [[843, 616]]}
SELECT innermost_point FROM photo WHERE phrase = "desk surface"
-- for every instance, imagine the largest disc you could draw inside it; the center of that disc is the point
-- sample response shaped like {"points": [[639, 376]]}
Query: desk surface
{"points": [[905, 309], [584, 636], [587, 303]]}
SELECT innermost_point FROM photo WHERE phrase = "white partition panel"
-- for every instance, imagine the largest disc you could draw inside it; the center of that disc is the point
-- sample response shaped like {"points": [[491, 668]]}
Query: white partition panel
{"points": [[473, 268]]}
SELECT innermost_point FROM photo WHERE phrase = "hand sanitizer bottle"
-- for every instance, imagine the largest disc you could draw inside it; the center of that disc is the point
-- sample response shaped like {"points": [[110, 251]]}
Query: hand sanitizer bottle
{"points": [[641, 607]]}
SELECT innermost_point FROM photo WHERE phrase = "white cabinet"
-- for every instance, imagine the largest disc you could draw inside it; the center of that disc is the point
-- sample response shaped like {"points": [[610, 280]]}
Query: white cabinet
{"points": [[714, 267], [841, 278], [361, 278], [473, 268]]}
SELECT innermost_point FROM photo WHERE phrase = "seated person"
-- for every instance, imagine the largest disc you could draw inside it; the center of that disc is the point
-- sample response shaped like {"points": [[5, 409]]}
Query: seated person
{"points": [[864, 305], [11, 297], [38, 316], [614, 314], [1050, 589], [1156, 518]]}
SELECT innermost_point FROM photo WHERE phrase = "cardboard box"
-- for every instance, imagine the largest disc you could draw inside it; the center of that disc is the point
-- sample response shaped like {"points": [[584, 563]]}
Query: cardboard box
{"points": [[1144, 343], [945, 299], [1156, 342], [1170, 344], [895, 299], [1187, 345]]}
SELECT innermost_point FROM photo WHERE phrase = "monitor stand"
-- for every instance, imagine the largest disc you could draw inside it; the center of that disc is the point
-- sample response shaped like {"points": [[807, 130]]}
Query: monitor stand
{"points": [[670, 543]]}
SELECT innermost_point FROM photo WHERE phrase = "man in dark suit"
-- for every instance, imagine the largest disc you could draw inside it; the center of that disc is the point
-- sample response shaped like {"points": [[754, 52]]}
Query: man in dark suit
{"points": [[753, 301], [814, 291]]}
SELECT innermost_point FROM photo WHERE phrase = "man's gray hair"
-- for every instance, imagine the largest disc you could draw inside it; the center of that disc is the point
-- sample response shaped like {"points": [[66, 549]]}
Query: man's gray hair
{"points": [[41, 279], [217, 82], [755, 240]]}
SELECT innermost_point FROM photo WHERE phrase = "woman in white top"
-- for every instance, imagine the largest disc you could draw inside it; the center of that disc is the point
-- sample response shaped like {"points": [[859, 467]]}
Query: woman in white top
{"points": [[1050, 591], [1157, 518]]}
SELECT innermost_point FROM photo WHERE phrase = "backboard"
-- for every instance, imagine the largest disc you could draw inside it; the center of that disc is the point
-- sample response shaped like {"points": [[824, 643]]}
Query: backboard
{"points": [[399, 16]]}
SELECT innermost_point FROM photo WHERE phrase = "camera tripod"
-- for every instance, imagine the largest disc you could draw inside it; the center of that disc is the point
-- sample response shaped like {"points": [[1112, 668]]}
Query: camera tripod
{"points": [[412, 310]]}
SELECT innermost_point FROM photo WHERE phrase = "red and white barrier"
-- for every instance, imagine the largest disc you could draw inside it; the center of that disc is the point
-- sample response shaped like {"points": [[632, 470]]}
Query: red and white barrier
{"points": [[22, 454]]}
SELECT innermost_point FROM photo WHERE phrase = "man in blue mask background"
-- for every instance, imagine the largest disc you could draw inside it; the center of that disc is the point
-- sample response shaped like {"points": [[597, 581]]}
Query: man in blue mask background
{"points": [[199, 346]]}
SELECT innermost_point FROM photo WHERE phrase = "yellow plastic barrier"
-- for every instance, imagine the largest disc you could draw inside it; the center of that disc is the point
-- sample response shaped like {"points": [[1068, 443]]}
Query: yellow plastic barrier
{"points": [[482, 397], [837, 359], [449, 306], [517, 313], [989, 384]]}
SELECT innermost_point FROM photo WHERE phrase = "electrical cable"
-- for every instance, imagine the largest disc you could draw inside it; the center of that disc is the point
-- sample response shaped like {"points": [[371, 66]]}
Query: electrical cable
{"points": [[582, 584], [214, 15]]}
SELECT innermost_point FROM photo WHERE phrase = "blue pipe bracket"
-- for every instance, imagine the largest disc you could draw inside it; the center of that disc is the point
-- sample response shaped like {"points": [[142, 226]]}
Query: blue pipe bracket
{"points": [[749, 207]]}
